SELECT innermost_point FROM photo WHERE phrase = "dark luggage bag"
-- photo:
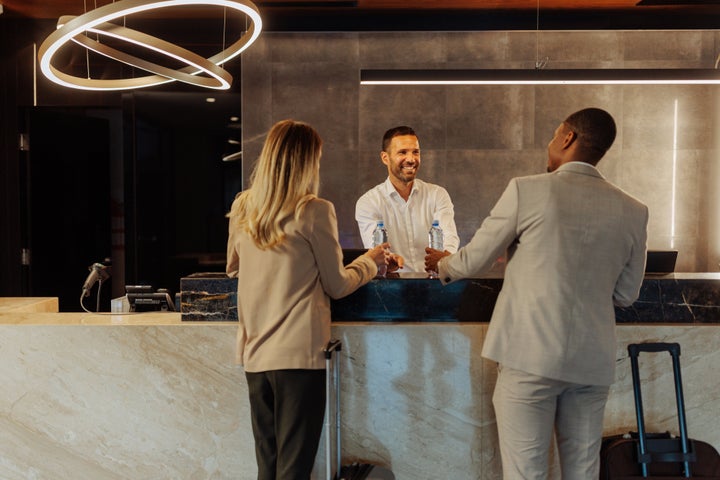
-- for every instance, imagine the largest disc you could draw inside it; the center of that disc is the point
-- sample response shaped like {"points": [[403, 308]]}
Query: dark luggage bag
{"points": [[657, 455], [355, 471]]}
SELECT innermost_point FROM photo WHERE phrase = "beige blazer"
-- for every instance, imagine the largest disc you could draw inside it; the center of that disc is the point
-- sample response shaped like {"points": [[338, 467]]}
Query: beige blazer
{"points": [[283, 293], [576, 246]]}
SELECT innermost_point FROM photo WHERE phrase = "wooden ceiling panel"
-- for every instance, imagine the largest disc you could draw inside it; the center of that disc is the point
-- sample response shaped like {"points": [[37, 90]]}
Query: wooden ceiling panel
{"points": [[497, 4], [55, 8], [369, 14]]}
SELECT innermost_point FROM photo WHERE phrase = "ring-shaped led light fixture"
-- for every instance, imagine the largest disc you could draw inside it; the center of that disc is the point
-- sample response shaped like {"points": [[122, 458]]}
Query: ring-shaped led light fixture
{"points": [[219, 78], [123, 8]]}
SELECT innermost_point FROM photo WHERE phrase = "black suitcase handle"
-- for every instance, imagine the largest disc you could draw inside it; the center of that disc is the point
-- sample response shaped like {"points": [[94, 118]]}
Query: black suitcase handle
{"points": [[634, 349], [644, 457], [332, 346]]}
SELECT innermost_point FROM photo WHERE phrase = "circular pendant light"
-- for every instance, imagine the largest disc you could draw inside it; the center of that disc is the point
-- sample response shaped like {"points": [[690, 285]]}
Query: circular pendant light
{"points": [[97, 21]]}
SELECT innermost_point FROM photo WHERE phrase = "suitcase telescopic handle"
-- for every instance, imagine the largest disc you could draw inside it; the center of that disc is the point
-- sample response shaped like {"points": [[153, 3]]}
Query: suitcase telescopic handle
{"points": [[634, 350], [332, 380], [332, 346]]}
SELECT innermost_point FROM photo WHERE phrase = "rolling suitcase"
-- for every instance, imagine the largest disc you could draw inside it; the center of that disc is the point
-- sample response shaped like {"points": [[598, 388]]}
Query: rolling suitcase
{"points": [[355, 471], [657, 455]]}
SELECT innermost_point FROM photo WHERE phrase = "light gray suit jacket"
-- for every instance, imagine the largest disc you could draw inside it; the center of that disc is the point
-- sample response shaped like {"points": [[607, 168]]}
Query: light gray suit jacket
{"points": [[576, 246]]}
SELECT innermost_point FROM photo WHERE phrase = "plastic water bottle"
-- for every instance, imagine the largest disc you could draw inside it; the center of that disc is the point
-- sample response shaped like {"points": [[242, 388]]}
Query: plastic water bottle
{"points": [[435, 239], [379, 237]]}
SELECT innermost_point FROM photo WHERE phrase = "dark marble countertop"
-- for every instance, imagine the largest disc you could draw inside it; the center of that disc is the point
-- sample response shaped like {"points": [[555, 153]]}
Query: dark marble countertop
{"points": [[673, 298]]}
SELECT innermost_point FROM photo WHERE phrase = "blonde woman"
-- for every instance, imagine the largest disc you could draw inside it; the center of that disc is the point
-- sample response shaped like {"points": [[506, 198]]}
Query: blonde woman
{"points": [[283, 248]]}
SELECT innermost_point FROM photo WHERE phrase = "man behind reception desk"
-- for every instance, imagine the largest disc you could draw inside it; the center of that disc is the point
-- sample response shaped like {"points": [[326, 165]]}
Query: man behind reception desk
{"points": [[576, 246], [283, 248], [406, 204]]}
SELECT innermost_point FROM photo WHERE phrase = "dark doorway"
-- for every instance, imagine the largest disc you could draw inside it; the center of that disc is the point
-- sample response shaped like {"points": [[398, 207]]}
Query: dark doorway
{"points": [[66, 204], [183, 167]]}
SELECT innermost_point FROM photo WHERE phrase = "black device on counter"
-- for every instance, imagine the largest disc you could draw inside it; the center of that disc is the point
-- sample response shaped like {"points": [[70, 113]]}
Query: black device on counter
{"points": [[660, 262], [142, 299]]}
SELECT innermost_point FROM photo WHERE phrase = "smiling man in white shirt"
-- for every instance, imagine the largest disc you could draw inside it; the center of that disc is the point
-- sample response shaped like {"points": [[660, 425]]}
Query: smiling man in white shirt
{"points": [[406, 204]]}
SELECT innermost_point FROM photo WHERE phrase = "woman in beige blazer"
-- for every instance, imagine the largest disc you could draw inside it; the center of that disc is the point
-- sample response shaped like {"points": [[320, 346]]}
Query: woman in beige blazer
{"points": [[283, 248]]}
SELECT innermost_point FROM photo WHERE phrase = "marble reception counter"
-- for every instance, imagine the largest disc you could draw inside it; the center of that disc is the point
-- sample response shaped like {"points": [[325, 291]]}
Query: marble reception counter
{"points": [[109, 397], [686, 298], [28, 304]]}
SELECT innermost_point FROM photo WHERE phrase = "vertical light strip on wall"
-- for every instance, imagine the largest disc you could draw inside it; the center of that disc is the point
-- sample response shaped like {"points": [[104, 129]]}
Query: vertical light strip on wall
{"points": [[674, 175], [34, 64]]}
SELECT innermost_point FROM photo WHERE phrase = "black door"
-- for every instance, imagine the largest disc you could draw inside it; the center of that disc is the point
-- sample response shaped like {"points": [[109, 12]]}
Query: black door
{"points": [[67, 205]]}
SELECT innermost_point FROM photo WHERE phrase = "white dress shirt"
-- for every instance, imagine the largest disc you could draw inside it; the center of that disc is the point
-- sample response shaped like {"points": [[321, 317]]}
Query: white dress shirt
{"points": [[407, 223]]}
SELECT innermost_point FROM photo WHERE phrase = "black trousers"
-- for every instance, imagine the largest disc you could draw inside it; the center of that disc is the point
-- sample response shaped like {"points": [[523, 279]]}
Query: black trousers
{"points": [[287, 409]]}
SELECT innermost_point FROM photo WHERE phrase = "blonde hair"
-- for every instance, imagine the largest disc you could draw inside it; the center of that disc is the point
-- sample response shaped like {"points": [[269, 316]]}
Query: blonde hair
{"points": [[285, 178]]}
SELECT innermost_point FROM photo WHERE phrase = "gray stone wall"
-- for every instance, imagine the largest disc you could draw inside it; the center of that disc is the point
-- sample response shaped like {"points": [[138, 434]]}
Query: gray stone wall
{"points": [[475, 138]]}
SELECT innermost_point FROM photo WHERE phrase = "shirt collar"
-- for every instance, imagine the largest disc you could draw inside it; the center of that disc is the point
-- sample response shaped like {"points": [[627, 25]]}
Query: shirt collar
{"points": [[390, 188], [581, 167]]}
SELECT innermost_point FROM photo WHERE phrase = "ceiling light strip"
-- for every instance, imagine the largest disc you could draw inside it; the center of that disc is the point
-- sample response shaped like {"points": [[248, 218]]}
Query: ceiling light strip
{"points": [[99, 16], [671, 76]]}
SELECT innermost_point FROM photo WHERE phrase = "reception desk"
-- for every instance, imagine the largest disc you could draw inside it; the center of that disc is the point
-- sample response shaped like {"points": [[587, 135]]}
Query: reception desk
{"points": [[686, 298], [94, 397], [28, 304]]}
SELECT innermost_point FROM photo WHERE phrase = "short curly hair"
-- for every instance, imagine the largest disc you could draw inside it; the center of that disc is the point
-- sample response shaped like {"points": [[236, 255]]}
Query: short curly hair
{"points": [[595, 129]]}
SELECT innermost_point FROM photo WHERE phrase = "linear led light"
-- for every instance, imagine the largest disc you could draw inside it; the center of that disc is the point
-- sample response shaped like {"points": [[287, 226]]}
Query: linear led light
{"points": [[94, 20], [606, 76]]}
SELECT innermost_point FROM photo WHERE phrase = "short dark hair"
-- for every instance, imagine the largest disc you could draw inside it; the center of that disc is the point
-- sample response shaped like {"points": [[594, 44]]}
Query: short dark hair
{"points": [[595, 129], [395, 132]]}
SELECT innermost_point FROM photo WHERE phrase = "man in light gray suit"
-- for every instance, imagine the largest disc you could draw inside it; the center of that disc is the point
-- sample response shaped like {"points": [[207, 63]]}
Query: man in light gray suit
{"points": [[575, 246]]}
